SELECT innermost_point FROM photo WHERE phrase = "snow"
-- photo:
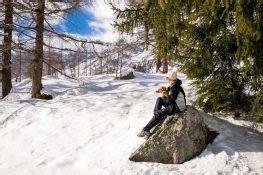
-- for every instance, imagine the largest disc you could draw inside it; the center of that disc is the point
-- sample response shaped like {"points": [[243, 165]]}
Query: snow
{"points": [[90, 128], [253, 125]]}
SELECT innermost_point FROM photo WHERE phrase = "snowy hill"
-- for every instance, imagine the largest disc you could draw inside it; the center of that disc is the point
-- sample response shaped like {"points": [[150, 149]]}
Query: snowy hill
{"points": [[90, 128]]}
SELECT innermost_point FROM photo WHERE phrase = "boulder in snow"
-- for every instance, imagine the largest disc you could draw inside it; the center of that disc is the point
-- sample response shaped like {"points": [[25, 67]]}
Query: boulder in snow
{"points": [[126, 76], [178, 139]]}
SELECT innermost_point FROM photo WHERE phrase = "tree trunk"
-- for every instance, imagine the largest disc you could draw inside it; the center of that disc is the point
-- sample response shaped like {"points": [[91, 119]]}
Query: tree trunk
{"points": [[158, 63], [86, 64], [121, 63], [101, 66], [49, 60], [8, 28], [165, 66], [107, 63], [117, 65], [37, 64], [78, 62], [20, 64], [90, 65]]}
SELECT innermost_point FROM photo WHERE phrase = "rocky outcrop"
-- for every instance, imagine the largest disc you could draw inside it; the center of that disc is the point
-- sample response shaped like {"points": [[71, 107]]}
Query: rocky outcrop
{"points": [[178, 139]]}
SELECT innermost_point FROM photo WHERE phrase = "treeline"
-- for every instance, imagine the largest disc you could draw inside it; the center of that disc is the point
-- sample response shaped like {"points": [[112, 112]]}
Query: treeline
{"points": [[218, 43], [30, 22], [30, 45]]}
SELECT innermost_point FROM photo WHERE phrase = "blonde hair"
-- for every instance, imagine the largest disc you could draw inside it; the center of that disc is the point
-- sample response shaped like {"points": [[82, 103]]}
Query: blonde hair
{"points": [[171, 81]]}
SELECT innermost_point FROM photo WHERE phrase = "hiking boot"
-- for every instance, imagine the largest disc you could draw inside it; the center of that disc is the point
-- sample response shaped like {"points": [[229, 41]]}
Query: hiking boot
{"points": [[143, 134]]}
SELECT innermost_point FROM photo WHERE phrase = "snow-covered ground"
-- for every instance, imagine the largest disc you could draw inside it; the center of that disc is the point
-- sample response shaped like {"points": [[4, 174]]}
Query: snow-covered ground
{"points": [[258, 127], [90, 128]]}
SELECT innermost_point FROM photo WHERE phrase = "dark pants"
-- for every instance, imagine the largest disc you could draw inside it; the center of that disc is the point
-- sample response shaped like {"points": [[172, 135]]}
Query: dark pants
{"points": [[160, 113]]}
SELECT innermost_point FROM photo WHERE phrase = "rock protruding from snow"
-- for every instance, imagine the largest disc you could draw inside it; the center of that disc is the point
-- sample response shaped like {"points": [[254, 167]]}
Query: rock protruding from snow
{"points": [[178, 139], [126, 76]]}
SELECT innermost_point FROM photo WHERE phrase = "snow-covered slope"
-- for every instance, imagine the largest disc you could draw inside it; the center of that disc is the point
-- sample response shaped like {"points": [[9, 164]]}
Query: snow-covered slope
{"points": [[90, 128]]}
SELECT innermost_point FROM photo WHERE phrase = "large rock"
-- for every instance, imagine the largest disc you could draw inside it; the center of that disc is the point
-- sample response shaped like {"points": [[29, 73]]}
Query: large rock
{"points": [[178, 139]]}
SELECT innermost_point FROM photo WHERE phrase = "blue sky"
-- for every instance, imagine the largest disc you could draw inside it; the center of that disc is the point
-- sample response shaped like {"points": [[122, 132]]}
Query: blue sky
{"points": [[77, 22], [92, 22]]}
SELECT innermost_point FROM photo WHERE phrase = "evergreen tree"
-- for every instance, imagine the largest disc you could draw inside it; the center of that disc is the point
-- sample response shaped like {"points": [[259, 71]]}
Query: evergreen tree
{"points": [[219, 44]]}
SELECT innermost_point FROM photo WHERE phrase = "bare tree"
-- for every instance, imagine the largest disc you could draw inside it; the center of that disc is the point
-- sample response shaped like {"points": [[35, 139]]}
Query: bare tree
{"points": [[37, 62], [39, 13], [8, 28]]}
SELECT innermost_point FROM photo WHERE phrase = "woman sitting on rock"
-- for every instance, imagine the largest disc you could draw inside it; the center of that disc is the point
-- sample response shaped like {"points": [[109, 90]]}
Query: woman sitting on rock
{"points": [[173, 101]]}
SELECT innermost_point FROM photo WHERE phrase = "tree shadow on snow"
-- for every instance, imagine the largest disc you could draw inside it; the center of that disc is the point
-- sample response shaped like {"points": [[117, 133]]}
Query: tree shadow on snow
{"points": [[233, 138]]}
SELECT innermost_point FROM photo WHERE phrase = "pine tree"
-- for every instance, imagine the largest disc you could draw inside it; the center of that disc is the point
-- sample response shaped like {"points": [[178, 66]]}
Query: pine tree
{"points": [[219, 44]]}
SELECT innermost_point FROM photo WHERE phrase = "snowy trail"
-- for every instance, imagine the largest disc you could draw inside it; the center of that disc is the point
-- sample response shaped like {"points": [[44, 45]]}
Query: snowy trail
{"points": [[91, 125]]}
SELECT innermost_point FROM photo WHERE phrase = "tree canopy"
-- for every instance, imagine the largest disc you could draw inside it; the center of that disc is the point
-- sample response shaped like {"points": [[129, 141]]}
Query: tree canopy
{"points": [[218, 42]]}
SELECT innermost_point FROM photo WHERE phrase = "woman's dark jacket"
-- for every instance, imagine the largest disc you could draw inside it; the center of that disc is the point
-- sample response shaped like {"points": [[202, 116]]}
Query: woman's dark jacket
{"points": [[176, 96]]}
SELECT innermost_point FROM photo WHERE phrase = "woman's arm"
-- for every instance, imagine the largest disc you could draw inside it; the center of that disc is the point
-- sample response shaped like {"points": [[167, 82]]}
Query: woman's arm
{"points": [[173, 94]]}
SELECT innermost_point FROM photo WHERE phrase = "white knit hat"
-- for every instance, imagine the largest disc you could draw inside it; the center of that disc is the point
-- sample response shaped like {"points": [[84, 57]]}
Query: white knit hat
{"points": [[172, 74]]}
